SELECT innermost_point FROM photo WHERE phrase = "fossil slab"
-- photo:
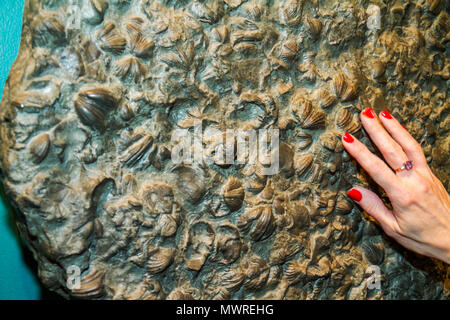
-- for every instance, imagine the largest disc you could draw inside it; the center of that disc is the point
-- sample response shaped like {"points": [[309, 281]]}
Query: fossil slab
{"points": [[99, 87]]}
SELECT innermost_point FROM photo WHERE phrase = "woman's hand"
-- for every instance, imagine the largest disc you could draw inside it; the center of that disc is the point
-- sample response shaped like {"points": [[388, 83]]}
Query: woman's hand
{"points": [[420, 219]]}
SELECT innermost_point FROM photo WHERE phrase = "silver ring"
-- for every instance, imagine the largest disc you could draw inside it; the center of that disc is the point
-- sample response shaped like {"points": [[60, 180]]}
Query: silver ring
{"points": [[408, 165]]}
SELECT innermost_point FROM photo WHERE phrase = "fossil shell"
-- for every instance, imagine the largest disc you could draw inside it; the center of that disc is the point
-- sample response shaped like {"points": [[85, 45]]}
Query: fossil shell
{"points": [[260, 222], [397, 8], [92, 106], [138, 151], [346, 121], [180, 294], [433, 5], [289, 12], [129, 65], [308, 116], [339, 84], [129, 184], [343, 118], [201, 240], [220, 34], [191, 181], [316, 119], [283, 249], [301, 108], [286, 159], [48, 28], [229, 244], [303, 163], [142, 47], [91, 286], [233, 193], [231, 279], [253, 11], [158, 198], [289, 50], [95, 12], [159, 259], [305, 140], [114, 43], [374, 252], [257, 273], [378, 69], [134, 25], [325, 99], [295, 272], [314, 27], [343, 206], [39, 147], [349, 94]]}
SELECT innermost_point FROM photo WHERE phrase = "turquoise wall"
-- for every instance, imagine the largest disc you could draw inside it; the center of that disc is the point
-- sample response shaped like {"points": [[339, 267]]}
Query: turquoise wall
{"points": [[17, 277]]}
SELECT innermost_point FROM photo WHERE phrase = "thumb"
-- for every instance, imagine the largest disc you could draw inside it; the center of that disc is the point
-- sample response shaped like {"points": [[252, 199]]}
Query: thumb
{"points": [[373, 205]]}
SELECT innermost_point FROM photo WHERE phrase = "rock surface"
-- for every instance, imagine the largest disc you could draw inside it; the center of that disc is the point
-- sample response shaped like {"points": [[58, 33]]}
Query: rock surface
{"points": [[100, 86]]}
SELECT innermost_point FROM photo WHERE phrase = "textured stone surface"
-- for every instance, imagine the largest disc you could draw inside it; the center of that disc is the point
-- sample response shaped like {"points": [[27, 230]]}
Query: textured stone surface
{"points": [[92, 101]]}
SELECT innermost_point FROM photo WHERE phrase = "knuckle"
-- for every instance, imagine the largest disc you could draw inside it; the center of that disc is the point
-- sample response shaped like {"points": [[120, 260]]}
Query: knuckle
{"points": [[406, 200], [413, 146], [423, 187]]}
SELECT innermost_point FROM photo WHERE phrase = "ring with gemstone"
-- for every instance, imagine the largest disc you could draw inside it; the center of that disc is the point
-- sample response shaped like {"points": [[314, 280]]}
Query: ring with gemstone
{"points": [[408, 165]]}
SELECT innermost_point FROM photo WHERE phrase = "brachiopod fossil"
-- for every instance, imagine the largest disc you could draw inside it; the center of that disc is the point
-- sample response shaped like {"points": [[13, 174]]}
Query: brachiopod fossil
{"points": [[233, 193], [94, 105], [39, 147]]}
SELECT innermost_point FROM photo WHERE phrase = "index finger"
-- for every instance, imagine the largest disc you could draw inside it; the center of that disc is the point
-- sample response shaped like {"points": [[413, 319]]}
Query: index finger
{"points": [[375, 167]]}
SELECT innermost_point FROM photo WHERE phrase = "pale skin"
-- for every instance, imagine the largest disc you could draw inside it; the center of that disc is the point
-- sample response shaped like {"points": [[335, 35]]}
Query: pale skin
{"points": [[420, 215]]}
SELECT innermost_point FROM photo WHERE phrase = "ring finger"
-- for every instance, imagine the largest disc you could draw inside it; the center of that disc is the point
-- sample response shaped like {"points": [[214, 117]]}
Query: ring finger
{"points": [[391, 150]]}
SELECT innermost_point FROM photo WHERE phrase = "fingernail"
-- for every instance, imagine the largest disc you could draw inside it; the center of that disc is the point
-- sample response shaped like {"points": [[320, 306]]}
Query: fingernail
{"points": [[386, 114], [369, 113], [404, 127], [348, 138], [354, 194]]}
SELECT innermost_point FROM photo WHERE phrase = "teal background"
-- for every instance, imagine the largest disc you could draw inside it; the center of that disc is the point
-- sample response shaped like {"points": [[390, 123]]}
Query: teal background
{"points": [[17, 268]]}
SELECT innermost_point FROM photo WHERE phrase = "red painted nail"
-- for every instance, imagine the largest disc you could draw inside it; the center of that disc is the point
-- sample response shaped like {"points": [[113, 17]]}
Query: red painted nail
{"points": [[386, 114], [404, 127], [348, 138], [369, 113], [354, 194]]}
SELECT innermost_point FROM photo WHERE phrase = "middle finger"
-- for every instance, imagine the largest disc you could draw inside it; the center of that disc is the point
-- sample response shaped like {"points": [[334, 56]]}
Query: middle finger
{"points": [[391, 150]]}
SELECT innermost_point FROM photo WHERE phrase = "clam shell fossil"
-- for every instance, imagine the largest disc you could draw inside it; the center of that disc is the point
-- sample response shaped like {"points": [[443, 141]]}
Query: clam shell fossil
{"points": [[295, 272], [200, 244], [159, 259], [339, 84], [257, 273], [374, 252], [233, 193], [314, 27], [114, 43], [138, 151], [289, 50], [39, 147], [48, 27], [91, 286], [192, 182], [93, 106], [378, 69], [130, 66], [259, 221], [303, 163], [349, 94]]}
